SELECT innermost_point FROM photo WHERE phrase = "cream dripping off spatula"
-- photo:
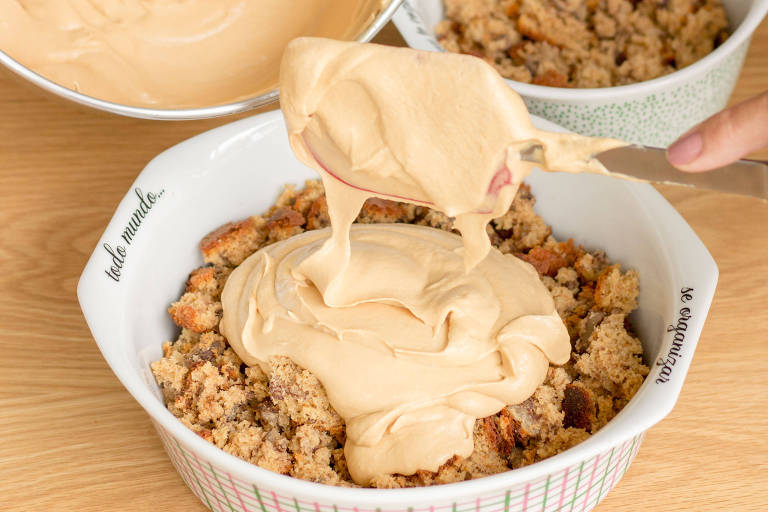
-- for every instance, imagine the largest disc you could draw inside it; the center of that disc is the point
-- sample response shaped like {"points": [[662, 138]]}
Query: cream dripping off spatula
{"points": [[443, 130]]}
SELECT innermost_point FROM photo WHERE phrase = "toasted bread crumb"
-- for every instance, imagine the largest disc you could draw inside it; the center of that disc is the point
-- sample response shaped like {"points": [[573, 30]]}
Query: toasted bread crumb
{"points": [[230, 244]]}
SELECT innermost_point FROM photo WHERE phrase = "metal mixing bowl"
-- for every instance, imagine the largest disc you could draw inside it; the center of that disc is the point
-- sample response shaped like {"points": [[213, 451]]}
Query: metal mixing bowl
{"points": [[174, 114]]}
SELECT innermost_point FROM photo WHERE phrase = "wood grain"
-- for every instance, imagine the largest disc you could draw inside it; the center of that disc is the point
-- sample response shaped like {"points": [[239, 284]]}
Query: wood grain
{"points": [[71, 438]]}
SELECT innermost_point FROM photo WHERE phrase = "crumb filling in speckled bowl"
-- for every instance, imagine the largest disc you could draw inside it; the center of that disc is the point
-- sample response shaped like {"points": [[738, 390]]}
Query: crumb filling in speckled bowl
{"points": [[583, 43], [283, 422]]}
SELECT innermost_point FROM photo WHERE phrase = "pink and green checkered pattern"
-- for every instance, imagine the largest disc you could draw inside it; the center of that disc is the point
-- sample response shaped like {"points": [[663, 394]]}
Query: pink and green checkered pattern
{"points": [[576, 488]]}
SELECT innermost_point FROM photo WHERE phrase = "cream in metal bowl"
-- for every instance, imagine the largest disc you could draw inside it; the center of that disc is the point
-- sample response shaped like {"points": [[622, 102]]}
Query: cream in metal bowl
{"points": [[170, 59]]}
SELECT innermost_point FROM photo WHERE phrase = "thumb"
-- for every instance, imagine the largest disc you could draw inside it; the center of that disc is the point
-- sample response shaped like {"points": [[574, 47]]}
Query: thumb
{"points": [[724, 137]]}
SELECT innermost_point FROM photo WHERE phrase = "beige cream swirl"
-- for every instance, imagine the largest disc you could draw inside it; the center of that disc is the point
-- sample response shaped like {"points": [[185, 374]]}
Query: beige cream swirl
{"points": [[439, 129], [412, 350]]}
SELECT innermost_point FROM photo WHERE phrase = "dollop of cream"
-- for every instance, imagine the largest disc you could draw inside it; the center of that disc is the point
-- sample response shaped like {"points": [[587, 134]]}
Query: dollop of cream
{"points": [[414, 332], [410, 348], [169, 53], [438, 129]]}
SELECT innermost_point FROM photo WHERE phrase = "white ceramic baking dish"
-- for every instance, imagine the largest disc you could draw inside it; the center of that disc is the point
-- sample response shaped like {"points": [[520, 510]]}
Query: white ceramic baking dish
{"points": [[237, 170]]}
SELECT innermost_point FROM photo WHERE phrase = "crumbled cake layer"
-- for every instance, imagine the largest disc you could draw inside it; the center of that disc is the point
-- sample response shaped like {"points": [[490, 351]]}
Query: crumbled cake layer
{"points": [[283, 422], [584, 43]]}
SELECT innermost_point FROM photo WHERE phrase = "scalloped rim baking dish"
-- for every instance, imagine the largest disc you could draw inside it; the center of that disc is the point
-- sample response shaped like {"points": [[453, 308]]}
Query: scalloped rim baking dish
{"points": [[146, 252]]}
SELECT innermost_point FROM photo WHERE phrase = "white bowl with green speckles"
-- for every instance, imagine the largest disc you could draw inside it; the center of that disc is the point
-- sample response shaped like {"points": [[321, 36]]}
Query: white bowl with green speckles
{"points": [[654, 112]]}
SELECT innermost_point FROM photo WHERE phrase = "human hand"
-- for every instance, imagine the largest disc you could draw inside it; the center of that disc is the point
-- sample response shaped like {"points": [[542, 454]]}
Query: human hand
{"points": [[724, 137]]}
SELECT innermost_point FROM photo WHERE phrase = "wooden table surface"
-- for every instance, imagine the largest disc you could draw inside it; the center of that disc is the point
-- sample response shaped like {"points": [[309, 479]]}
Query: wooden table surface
{"points": [[72, 438]]}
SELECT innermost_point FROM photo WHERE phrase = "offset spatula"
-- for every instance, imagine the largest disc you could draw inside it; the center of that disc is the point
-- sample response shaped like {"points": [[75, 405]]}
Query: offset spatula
{"points": [[744, 177]]}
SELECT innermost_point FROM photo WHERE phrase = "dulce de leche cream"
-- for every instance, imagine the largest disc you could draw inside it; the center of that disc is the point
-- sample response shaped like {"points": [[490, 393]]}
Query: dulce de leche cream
{"points": [[169, 53], [414, 332]]}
